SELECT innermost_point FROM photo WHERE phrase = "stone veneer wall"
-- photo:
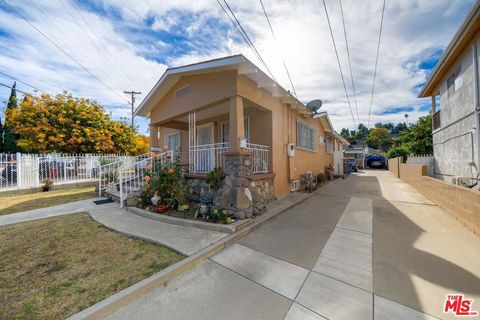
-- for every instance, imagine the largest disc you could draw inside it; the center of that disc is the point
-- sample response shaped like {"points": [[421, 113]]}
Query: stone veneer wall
{"points": [[242, 192]]}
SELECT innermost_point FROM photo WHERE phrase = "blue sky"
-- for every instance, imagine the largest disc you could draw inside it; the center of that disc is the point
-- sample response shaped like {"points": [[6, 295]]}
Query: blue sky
{"points": [[129, 47]]}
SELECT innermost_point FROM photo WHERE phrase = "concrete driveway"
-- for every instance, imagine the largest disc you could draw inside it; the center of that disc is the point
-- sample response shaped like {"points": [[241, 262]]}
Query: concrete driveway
{"points": [[365, 247]]}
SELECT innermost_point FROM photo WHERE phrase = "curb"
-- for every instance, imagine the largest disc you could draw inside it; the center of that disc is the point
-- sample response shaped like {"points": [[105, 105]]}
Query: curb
{"points": [[225, 228], [120, 299]]}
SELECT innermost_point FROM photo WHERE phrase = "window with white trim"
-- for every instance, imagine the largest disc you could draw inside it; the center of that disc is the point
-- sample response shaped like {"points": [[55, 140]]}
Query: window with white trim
{"points": [[306, 136]]}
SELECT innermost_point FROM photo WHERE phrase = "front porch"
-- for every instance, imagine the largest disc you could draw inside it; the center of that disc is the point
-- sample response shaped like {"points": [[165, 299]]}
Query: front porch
{"points": [[202, 137]]}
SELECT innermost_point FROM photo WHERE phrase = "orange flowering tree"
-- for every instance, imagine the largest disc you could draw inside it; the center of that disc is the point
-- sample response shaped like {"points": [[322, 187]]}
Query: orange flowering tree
{"points": [[68, 124]]}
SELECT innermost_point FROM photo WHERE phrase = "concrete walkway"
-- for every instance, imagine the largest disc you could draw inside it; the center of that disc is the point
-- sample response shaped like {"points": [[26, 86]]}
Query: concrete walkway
{"points": [[367, 247], [49, 212], [183, 239]]}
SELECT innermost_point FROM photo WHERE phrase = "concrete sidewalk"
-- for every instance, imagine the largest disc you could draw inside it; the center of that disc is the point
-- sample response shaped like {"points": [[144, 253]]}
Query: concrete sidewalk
{"points": [[48, 212], [368, 247]]}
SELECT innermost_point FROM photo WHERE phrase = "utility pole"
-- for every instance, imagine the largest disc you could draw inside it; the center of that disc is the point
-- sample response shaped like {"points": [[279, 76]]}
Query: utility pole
{"points": [[132, 95]]}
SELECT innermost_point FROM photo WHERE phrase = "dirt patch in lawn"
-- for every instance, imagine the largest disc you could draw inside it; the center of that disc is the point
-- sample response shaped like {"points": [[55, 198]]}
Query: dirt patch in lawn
{"points": [[11, 202], [53, 268]]}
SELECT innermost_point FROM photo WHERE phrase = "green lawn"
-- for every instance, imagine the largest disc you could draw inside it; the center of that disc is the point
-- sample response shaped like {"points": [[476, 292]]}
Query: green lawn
{"points": [[53, 268], [17, 201]]}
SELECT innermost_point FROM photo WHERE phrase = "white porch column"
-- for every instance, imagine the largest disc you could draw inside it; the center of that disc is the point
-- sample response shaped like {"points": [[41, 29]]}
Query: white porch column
{"points": [[192, 140]]}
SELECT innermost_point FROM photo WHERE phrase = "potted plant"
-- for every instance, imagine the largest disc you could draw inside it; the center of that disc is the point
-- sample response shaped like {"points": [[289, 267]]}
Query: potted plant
{"points": [[329, 171], [161, 208]]}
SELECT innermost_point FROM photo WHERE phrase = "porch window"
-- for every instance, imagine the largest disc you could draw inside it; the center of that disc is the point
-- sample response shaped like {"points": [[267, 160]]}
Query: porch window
{"points": [[306, 136], [173, 141], [224, 129]]}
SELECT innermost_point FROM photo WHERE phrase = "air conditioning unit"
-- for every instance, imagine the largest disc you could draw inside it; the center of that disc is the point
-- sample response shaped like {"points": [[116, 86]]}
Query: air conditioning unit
{"points": [[291, 150]]}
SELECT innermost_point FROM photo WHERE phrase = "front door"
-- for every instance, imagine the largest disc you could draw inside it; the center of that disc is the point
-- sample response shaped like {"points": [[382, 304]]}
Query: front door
{"points": [[205, 157]]}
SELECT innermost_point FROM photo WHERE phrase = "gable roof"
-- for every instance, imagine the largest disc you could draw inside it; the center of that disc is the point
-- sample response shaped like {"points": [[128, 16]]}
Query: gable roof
{"points": [[235, 62], [460, 41]]}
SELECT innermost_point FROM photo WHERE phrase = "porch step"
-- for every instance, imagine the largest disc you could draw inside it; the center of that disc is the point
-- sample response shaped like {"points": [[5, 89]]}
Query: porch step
{"points": [[114, 195]]}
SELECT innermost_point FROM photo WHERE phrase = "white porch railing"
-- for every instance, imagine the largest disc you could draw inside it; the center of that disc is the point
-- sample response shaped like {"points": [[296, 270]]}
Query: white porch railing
{"points": [[204, 158], [132, 177], [260, 157]]}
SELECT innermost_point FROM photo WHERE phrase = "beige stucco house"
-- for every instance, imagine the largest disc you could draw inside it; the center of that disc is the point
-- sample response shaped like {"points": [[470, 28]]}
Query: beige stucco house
{"points": [[226, 112]]}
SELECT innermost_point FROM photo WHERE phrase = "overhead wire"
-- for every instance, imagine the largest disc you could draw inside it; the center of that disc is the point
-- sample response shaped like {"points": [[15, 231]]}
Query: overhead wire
{"points": [[275, 39], [339, 64], [241, 30], [112, 62], [21, 91], [70, 41], [88, 37], [25, 83], [64, 52], [376, 63], [349, 61]]}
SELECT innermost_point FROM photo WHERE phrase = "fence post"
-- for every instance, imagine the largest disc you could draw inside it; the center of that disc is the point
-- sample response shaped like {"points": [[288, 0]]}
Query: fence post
{"points": [[19, 170], [120, 174], [398, 164], [37, 171]]}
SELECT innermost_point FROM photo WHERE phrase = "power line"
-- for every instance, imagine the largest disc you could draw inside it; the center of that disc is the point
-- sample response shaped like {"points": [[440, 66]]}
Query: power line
{"points": [[349, 61], [23, 92], [339, 65], [376, 63], [75, 20], [63, 51], [114, 64], [245, 36], [25, 83], [275, 38], [73, 44]]}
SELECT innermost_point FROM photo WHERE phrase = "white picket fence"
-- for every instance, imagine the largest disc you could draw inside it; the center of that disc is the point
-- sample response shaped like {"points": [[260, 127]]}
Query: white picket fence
{"points": [[22, 171]]}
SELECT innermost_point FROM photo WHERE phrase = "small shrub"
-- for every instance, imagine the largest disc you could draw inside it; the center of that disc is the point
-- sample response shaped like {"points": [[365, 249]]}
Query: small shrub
{"points": [[217, 215], [165, 178], [321, 178], [47, 185], [215, 178]]}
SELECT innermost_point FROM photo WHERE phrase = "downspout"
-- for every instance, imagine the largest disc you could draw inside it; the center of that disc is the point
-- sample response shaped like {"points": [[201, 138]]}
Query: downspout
{"points": [[477, 101]]}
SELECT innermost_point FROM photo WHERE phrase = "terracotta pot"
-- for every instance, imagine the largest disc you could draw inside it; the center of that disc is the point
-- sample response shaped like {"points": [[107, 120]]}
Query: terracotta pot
{"points": [[161, 208]]}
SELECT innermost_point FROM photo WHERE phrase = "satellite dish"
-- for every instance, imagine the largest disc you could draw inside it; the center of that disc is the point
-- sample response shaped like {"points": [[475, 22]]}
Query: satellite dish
{"points": [[314, 105]]}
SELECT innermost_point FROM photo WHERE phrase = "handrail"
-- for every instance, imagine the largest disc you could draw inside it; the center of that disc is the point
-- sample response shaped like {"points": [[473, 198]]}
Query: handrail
{"points": [[110, 170], [131, 177]]}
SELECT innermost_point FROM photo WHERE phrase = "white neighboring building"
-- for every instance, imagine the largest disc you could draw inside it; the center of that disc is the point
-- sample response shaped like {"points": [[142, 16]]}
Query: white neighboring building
{"points": [[339, 144], [454, 86]]}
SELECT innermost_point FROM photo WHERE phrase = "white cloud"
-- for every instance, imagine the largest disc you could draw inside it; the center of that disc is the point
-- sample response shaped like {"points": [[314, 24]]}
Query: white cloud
{"points": [[413, 31]]}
